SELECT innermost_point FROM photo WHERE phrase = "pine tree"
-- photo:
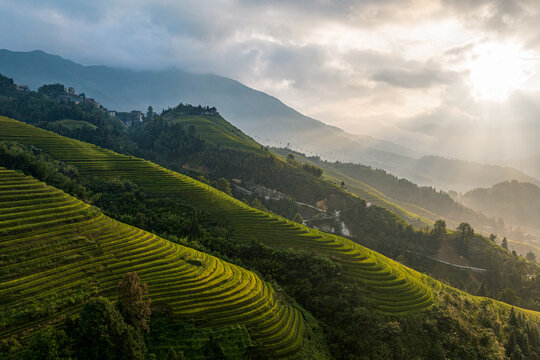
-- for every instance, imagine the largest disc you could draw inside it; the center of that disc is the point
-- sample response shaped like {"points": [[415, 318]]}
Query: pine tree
{"points": [[513, 319], [504, 243]]}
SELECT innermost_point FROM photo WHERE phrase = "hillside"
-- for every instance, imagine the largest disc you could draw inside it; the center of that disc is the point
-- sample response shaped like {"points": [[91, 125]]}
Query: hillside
{"points": [[58, 251], [223, 151], [458, 175], [261, 116], [528, 165], [420, 206], [516, 202], [254, 111], [213, 129], [388, 286], [199, 142], [379, 274]]}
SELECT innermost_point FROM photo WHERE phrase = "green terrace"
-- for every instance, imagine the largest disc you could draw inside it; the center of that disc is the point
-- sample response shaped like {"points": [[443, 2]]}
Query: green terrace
{"points": [[56, 252], [390, 287]]}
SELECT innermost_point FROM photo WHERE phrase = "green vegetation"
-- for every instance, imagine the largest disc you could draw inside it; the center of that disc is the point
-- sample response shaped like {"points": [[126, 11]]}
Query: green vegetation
{"points": [[58, 251], [419, 205], [67, 118], [392, 288], [516, 202], [212, 127], [72, 124], [322, 283], [339, 281]]}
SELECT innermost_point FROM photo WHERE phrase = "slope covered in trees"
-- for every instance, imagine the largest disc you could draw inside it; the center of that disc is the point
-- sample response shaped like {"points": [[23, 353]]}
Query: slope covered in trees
{"points": [[377, 281], [414, 203], [517, 202], [221, 151], [409, 292]]}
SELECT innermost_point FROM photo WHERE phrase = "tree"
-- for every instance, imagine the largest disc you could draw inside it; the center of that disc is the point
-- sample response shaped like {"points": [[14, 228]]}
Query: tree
{"points": [[49, 344], [298, 218], [52, 91], [312, 169], [150, 113], [504, 243], [466, 230], [172, 355], [439, 228], [517, 354], [493, 237], [102, 333], [531, 257], [194, 229], [342, 183], [133, 301], [224, 185], [509, 296]]}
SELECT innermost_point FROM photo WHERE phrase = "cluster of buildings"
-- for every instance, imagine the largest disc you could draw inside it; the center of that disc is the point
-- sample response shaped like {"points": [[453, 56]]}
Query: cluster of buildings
{"points": [[72, 96], [131, 118], [23, 88], [69, 96], [128, 118]]}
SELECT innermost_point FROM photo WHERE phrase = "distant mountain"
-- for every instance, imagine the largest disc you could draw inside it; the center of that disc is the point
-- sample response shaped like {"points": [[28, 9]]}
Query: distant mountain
{"points": [[458, 175], [255, 112], [517, 202], [259, 115], [530, 165]]}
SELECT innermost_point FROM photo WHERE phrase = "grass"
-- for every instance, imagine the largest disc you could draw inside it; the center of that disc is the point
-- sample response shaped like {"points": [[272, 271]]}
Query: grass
{"points": [[391, 288], [56, 254], [215, 130], [73, 124], [379, 274]]}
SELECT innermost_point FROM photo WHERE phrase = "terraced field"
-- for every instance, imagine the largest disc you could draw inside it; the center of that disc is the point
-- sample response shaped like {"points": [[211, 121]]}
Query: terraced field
{"points": [[56, 251], [215, 130], [391, 287]]}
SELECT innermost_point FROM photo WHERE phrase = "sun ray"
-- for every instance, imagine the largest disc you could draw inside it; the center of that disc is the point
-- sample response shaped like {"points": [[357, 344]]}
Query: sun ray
{"points": [[496, 70]]}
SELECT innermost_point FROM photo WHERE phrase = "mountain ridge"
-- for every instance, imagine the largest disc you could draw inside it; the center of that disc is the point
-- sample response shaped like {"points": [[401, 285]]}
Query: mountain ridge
{"points": [[258, 114]]}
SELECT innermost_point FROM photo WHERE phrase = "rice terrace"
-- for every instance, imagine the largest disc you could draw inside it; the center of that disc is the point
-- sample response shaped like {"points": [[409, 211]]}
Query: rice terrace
{"points": [[232, 180]]}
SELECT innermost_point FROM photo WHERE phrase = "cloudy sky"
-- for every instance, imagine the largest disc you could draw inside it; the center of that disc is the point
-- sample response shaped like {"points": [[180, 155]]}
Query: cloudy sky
{"points": [[411, 71]]}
